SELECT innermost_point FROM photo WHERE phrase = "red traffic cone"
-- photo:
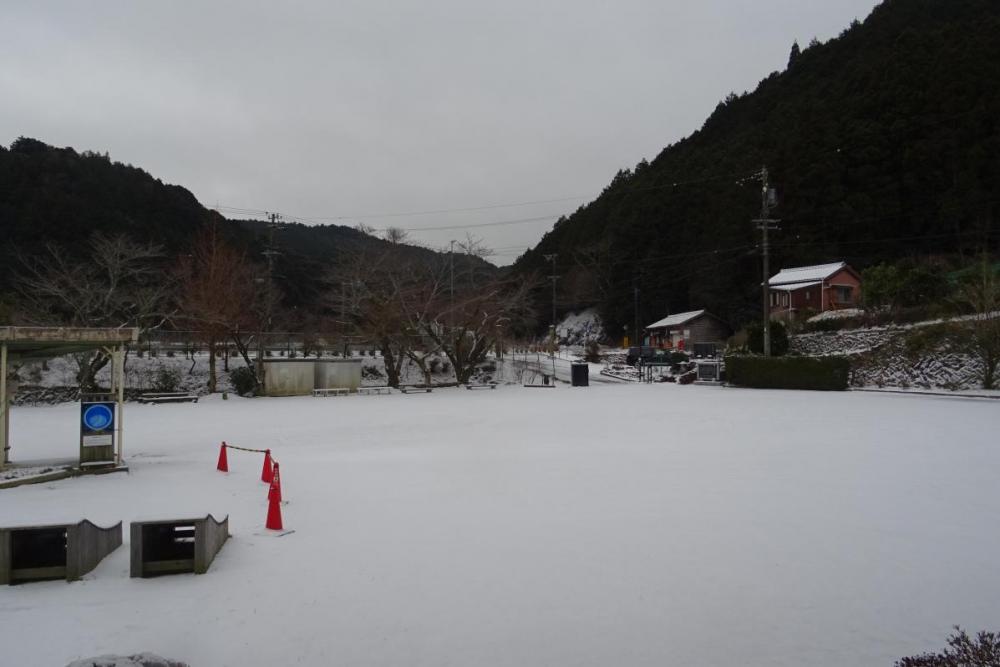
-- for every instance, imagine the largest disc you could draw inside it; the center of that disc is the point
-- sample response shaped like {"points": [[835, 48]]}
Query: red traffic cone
{"points": [[266, 474], [223, 464], [273, 514], [274, 493]]}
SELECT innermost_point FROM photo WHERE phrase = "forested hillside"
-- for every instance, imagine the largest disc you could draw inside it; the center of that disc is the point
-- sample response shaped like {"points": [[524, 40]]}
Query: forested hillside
{"points": [[61, 197], [883, 143]]}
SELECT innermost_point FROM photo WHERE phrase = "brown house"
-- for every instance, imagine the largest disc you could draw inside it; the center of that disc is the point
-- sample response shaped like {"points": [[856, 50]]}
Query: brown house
{"points": [[684, 330], [814, 288]]}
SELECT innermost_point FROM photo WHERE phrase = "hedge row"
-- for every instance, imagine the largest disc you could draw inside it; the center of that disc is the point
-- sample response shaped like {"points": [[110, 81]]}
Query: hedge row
{"points": [[822, 373]]}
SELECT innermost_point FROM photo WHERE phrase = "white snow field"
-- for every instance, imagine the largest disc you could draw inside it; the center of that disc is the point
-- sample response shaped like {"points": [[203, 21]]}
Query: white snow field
{"points": [[612, 525]]}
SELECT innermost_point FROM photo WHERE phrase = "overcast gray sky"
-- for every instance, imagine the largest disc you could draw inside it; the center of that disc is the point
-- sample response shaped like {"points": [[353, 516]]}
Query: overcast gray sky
{"points": [[336, 110]]}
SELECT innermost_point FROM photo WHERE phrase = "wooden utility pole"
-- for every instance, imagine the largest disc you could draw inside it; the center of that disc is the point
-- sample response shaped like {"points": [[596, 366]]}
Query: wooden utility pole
{"points": [[553, 277], [268, 314], [766, 224]]}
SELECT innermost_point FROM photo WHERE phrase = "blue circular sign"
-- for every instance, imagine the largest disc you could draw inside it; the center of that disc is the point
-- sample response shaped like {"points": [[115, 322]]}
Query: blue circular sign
{"points": [[98, 417]]}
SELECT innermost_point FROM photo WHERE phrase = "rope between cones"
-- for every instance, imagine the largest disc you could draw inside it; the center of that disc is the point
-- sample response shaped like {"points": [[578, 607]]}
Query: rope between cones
{"points": [[246, 449], [270, 474]]}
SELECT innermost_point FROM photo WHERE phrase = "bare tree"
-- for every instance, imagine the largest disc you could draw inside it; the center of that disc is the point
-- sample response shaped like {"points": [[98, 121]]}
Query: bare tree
{"points": [[217, 295], [463, 317], [982, 294], [119, 284], [395, 235], [366, 294]]}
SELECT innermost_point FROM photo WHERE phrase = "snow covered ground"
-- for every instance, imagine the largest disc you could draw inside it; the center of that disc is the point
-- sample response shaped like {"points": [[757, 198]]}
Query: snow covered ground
{"points": [[613, 525]]}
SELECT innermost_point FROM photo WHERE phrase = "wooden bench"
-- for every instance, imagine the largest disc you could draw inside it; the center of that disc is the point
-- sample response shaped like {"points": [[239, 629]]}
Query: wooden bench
{"points": [[332, 391], [168, 397], [368, 391], [483, 385], [412, 389]]}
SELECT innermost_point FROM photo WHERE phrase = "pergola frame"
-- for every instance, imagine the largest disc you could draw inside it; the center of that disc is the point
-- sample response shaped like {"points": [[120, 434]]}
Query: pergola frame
{"points": [[19, 344]]}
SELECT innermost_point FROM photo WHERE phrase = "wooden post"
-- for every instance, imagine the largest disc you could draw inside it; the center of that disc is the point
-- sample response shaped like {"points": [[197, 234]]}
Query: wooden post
{"points": [[119, 371], [5, 556], [4, 410], [135, 559]]}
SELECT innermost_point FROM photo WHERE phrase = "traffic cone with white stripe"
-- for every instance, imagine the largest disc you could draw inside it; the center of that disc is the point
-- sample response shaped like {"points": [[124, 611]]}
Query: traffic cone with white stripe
{"points": [[275, 490]]}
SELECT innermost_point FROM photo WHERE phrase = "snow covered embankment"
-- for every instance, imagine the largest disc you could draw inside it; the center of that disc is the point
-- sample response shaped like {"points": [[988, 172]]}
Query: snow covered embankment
{"points": [[903, 357]]}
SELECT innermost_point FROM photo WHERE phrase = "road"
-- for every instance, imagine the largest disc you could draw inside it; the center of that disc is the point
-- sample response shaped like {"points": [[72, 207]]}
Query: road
{"points": [[542, 364]]}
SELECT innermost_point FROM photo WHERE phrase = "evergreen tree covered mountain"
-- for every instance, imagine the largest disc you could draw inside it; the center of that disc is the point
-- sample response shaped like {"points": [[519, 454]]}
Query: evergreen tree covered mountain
{"points": [[882, 143], [61, 197]]}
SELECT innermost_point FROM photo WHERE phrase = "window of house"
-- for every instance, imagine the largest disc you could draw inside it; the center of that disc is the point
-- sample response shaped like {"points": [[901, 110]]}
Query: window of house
{"points": [[844, 294], [808, 295]]}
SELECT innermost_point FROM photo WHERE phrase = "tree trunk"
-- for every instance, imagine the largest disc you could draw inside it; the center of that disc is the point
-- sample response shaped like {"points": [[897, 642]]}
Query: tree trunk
{"points": [[211, 366], [391, 367], [990, 363], [89, 369]]}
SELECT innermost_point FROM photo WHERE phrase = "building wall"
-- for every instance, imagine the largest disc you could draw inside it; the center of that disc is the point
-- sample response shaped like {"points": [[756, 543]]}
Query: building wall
{"points": [[707, 329], [337, 374], [842, 278], [704, 329], [298, 377], [288, 377], [807, 298]]}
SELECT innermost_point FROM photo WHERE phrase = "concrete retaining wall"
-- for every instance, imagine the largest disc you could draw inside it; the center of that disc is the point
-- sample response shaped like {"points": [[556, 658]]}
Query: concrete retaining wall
{"points": [[298, 377]]}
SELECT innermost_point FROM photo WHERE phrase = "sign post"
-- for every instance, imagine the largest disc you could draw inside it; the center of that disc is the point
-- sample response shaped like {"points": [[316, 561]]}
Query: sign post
{"points": [[97, 430]]}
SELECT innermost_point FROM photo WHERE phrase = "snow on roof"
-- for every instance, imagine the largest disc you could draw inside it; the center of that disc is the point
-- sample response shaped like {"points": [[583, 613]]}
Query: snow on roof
{"points": [[675, 320], [803, 274], [794, 286]]}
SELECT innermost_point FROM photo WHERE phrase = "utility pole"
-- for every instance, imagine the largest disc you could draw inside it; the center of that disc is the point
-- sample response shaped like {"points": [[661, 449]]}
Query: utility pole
{"points": [[269, 252], [635, 310], [553, 277], [451, 289], [766, 224]]}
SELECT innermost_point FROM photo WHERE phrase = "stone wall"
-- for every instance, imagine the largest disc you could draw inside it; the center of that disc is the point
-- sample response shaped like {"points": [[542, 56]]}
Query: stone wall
{"points": [[930, 357]]}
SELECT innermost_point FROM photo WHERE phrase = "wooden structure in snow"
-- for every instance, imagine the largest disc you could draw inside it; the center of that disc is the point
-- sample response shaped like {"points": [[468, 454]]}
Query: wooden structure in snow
{"points": [[18, 344], [176, 546], [59, 551], [682, 331]]}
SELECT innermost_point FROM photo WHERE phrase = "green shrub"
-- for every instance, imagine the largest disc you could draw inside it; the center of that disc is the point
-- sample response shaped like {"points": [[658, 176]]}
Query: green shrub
{"points": [[167, 379], [779, 338], [243, 380], [822, 373]]}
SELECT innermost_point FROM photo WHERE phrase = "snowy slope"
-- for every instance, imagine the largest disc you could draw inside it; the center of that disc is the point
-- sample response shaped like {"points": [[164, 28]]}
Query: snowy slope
{"points": [[614, 525]]}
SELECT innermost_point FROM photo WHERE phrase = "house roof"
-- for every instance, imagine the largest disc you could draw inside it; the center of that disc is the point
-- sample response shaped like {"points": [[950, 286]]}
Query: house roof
{"points": [[804, 274], [676, 320], [794, 286]]}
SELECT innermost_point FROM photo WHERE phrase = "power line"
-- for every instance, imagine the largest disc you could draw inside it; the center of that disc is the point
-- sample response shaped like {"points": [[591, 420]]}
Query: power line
{"points": [[738, 178]]}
